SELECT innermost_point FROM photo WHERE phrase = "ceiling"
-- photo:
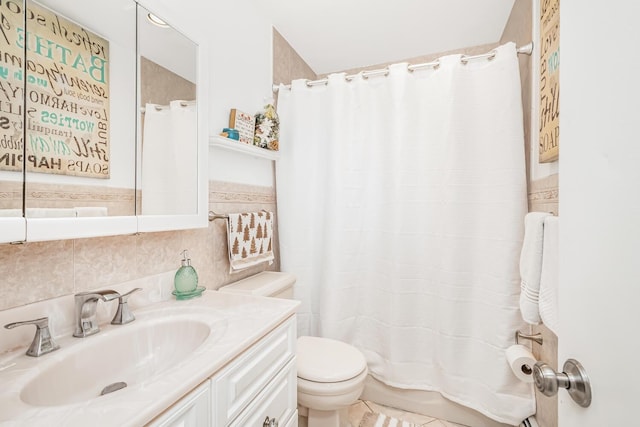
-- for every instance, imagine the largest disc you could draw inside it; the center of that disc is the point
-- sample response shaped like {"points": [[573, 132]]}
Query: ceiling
{"points": [[336, 35]]}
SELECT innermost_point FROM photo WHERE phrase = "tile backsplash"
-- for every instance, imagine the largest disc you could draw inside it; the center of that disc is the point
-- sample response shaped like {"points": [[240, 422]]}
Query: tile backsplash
{"points": [[43, 270]]}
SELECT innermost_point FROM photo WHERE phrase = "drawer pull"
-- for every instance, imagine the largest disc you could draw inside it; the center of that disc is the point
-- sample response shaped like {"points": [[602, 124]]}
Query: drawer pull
{"points": [[270, 422]]}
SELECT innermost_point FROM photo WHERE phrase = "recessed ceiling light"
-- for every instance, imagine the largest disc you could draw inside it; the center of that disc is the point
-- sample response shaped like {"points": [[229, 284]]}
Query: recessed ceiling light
{"points": [[156, 21]]}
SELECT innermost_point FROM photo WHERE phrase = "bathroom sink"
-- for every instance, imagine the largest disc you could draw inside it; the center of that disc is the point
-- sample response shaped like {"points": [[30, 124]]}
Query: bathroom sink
{"points": [[114, 360]]}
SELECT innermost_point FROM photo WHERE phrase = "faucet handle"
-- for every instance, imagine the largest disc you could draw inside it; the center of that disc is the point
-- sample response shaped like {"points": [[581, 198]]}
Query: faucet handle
{"points": [[42, 342], [124, 314]]}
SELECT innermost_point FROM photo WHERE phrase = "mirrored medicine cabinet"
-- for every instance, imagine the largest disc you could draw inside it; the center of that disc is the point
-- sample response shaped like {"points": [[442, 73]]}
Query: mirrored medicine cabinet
{"points": [[102, 121]]}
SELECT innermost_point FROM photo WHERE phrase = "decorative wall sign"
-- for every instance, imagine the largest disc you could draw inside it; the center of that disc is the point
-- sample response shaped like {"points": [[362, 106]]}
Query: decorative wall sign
{"points": [[65, 82], [245, 125], [549, 80]]}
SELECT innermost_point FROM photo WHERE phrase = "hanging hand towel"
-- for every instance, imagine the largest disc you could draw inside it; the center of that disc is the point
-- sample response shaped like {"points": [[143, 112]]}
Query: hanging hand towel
{"points": [[250, 239], [549, 276], [531, 266]]}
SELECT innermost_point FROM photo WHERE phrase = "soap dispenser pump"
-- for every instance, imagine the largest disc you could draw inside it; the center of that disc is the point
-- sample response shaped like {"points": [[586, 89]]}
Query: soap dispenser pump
{"points": [[186, 278]]}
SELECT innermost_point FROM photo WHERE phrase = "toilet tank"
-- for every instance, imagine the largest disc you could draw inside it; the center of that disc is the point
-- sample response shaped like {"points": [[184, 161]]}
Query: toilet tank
{"points": [[267, 284]]}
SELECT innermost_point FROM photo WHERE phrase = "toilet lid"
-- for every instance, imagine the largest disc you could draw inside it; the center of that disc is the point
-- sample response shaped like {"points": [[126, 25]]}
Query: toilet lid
{"points": [[325, 360]]}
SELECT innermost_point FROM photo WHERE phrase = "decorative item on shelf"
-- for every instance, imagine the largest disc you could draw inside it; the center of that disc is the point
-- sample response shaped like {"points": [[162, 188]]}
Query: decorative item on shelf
{"points": [[230, 133], [245, 125], [267, 130]]}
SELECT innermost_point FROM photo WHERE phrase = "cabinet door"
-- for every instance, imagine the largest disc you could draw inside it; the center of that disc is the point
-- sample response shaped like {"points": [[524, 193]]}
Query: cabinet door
{"points": [[278, 400], [247, 376], [191, 411]]}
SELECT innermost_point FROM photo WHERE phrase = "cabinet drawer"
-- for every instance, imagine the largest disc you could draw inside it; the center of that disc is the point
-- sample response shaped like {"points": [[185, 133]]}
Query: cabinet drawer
{"points": [[240, 382], [278, 400]]}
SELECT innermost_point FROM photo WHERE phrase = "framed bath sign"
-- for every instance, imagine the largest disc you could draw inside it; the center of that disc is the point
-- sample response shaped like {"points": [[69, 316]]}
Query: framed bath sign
{"points": [[63, 88], [549, 81]]}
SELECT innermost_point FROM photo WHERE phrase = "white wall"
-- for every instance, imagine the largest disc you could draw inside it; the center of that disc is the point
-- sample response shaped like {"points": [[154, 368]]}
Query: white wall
{"points": [[241, 77], [230, 166], [241, 49]]}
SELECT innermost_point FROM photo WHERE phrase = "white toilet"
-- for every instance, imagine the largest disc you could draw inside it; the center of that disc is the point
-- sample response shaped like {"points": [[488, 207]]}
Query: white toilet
{"points": [[331, 373]]}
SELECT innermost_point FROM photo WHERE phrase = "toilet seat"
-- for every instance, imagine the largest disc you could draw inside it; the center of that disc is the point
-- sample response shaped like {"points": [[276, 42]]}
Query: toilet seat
{"points": [[323, 360], [341, 388]]}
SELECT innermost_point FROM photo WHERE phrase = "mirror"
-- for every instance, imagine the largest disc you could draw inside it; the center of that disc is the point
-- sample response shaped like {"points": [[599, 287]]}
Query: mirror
{"points": [[168, 118], [80, 122], [71, 147], [173, 179], [80, 115]]}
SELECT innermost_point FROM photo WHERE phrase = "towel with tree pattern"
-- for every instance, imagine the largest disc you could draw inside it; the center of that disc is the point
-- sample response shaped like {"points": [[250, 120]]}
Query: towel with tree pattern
{"points": [[250, 239]]}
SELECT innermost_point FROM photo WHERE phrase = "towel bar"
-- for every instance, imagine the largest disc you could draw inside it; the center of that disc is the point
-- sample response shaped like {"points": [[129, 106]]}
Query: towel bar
{"points": [[213, 215], [537, 338]]}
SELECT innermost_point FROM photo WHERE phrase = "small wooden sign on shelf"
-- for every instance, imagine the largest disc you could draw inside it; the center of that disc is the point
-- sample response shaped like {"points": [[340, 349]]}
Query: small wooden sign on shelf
{"points": [[244, 123]]}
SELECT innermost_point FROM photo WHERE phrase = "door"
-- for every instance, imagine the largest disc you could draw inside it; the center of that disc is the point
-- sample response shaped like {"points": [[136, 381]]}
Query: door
{"points": [[599, 296]]}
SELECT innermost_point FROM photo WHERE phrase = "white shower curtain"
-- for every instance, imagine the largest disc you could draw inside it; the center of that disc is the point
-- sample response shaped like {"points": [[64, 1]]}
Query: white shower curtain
{"points": [[169, 151], [401, 202]]}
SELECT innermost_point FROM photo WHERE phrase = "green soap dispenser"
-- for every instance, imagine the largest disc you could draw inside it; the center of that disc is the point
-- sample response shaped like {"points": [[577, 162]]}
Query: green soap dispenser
{"points": [[186, 279]]}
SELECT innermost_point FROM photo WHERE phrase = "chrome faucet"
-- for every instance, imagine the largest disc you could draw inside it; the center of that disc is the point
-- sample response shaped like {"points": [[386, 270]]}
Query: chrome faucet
{"points": [[43, 342], [86, 304]]}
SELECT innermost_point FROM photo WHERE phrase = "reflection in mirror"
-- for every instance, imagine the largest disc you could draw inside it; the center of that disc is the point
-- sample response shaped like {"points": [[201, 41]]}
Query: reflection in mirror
{"points": [[11, 110], [80, 119], [169, 149]]}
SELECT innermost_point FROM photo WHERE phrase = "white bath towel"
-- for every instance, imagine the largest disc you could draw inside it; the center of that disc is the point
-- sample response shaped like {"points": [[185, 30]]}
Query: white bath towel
{"points": [[549, 277], [250, 239], [531, 266]]}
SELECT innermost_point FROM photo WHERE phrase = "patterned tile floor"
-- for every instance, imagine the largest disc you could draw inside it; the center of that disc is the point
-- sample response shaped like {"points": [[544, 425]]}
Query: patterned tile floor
{"points": [[357, 411]]}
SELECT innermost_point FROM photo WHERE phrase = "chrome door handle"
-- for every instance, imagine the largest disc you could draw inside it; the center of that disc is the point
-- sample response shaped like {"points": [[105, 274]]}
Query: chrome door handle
{"points": [[573, 377]]}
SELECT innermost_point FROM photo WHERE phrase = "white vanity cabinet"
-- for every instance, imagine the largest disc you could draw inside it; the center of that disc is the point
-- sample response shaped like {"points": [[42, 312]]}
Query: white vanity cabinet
{"points": [[259, 384]]}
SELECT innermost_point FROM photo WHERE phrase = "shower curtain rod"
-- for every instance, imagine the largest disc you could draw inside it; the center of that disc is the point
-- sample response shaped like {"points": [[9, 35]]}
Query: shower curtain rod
{"points": [[525, 50]]}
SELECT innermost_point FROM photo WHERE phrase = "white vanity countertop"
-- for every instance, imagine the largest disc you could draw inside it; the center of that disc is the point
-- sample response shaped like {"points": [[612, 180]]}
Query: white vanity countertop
{"points": [[237, 322]]}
